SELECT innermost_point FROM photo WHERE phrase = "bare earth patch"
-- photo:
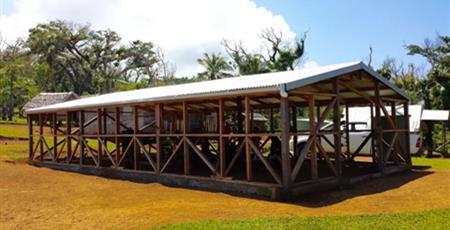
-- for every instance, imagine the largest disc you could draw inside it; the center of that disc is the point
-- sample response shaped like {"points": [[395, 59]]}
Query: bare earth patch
{"points": [[41, 198]]}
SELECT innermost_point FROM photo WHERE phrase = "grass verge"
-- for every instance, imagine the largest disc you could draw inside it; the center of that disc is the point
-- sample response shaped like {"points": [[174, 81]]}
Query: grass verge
{"points": [[435, 163], [13, 131], [16, 120], [434, 219], [13, 150]]}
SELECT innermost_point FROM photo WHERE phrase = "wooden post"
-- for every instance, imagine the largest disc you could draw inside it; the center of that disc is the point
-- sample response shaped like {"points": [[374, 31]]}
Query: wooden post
{"points": [[251, 120], [394, 120], [272, 127], [248, 151], [312, 132], [69, 136], [372, 132], [80, 136], [117, 133], [337, 128], [222, 150], [185, 143], [30, 137], [285, 161], [394, 114], [41, 135], [99, 138], [294, 129], [347, 128], [317, 115], [158, 137], [135, 131], [378, 129], [407, 140], [239, 115], [105, 124], [55, 136]]}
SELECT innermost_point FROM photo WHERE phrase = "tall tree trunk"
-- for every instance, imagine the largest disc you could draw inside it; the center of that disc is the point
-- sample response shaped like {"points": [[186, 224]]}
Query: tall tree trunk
{"points": [[11, 107], [428, 142], [4, 110]]}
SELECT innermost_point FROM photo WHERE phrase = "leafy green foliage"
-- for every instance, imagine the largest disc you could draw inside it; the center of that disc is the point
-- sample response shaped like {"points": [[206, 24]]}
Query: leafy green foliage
{"points": [[244, 62], [64, 56], [87, 61], [16, 78], [437, 85], [282, 57], [215, 65], [279, 54], [431, 89], [435, 88]]}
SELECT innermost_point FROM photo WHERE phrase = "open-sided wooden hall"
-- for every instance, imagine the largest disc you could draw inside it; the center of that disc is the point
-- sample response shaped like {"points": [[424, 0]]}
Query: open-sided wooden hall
{"points": [[273, 135]]}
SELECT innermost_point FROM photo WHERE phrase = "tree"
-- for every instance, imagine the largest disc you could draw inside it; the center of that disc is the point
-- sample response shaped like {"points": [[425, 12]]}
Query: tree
{"points": [[279, 55], [437, 55], [435, 88], [215, 65], [165, 68], [244, 62], [282, 57], [16, 78], [409, 78], [410, 81], [83, 60]]}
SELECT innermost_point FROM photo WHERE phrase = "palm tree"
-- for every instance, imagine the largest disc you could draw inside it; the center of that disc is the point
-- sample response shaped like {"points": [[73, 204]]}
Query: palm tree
{"points": [[216, 66]]}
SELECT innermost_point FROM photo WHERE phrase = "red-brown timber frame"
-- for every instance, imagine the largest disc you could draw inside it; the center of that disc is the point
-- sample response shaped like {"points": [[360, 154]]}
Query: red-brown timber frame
{"points": [[219, 153]]}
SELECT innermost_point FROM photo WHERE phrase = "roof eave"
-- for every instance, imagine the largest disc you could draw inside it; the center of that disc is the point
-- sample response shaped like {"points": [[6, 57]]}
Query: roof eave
{"points": [[342, 71], [384, 81], [271, 89], [322, 77]]}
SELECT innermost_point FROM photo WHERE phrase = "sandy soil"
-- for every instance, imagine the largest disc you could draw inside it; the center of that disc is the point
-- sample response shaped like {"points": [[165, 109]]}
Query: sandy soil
{"points": [[41, 198]]}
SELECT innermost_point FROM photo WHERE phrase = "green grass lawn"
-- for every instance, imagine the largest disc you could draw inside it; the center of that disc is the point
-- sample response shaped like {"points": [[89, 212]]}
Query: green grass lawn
{"points": [[435, 163], [16, 120], [14, 150], [13, 131], [435, 219]]}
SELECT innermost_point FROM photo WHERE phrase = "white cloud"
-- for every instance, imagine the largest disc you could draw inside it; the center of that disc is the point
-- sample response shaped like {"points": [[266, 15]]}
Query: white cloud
{"points": [[184, 29]]}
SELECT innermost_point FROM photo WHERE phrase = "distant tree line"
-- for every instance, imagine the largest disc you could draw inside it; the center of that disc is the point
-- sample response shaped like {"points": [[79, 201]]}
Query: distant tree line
{"points": [[279, 55], [62, 56], [431, 87]]}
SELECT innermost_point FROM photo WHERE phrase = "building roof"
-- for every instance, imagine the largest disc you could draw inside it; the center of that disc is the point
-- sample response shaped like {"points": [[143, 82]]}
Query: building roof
{"points": [[46, 99], [435, 115], [268, 82]]}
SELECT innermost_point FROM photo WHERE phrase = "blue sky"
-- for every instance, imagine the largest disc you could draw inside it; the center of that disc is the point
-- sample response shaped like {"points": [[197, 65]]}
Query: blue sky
{"points": [[343, 30], [338, 31]]}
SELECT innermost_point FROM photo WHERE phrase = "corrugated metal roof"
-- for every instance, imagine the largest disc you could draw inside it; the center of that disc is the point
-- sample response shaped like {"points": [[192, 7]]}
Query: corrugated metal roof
{"points": [[435, 115], [222, 87]]}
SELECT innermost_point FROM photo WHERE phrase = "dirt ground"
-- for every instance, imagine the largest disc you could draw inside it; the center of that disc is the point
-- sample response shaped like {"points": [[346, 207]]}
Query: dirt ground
{"points": [[41, 198]]}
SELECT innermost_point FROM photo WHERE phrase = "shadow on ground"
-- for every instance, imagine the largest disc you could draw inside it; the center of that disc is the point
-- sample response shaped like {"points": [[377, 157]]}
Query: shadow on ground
{"points": [[364, 188], [324, 198]]}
